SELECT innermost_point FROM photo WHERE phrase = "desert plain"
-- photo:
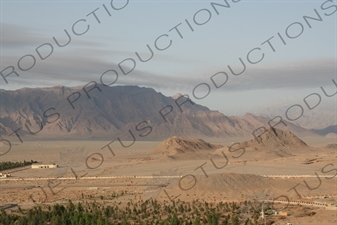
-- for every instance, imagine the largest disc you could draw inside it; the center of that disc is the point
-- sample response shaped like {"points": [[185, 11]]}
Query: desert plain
{"points": [[294, 176]]}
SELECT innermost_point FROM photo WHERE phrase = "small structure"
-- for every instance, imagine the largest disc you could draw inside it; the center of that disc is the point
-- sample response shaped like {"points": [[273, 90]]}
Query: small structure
{"points": [[283, 214], [44, 165], [3, 175]]}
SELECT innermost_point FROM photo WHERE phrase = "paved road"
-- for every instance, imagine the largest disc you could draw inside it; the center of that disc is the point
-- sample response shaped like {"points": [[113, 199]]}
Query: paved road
{"points": [[144, 177], [84, 185], [89, 178]]}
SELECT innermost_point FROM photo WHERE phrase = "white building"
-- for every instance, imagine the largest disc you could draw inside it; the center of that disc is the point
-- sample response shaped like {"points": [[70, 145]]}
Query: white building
{"points": [[4, 175], [44, 165]]}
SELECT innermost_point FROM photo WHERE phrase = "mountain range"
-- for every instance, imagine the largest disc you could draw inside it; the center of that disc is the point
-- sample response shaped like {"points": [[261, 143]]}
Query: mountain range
{"points": [[320, 118], [103, 112]]}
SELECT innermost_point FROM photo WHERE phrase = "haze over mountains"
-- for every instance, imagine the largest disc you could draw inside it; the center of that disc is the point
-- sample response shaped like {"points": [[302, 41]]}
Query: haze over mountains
{"points": [[117, 112], [320, 118]]}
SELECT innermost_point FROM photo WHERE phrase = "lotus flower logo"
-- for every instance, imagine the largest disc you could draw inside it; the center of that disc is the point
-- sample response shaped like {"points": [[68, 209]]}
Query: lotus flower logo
{"points": [[69, 160], [159, 181]]}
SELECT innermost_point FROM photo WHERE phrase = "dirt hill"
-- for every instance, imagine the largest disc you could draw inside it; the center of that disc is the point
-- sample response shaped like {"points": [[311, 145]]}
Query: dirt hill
{"points": [[333, 146], [179, 145], [233, 186], [272, 143], [275, 139]]}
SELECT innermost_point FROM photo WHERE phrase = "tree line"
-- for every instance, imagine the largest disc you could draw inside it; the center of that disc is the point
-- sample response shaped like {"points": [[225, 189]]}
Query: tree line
{"points": [[11, 165], [135, 212]]}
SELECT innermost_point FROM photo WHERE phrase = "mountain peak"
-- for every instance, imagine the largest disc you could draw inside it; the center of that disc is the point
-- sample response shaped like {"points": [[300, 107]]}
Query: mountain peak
{"points": [[177, 145], [275, 138], [176, 96], [116, 110]]}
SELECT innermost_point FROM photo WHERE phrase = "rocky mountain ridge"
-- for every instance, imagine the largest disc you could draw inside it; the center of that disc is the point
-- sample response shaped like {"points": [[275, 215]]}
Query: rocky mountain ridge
{"points": [[123, 112]]}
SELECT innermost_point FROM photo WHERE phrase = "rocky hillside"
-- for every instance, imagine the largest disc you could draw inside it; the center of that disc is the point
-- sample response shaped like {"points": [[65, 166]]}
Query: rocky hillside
{"points": [[179, 145], [119, 111], [275, 139]]}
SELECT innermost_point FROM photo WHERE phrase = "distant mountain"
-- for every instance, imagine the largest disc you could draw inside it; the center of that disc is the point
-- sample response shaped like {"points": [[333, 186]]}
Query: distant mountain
{"points": [[119, 111], [328, 130], [259, 121], [324, 115], [331, 135]]}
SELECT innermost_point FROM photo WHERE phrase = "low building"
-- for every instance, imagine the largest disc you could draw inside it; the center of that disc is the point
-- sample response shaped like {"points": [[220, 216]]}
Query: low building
{"points": [[44, 165], [283, 214], [3, 175]]}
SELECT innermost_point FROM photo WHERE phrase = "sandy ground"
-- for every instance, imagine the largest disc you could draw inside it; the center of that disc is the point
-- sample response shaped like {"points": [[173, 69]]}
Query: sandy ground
{"points": [[239, 180]]}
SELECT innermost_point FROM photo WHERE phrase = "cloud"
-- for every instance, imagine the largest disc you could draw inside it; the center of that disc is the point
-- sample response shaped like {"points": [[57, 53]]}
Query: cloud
{"points": [[16, 38], [82, 61], [85, 60], [290, 75]]}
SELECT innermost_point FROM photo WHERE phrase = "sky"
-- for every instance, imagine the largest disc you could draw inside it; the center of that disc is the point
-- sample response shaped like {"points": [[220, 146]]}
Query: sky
{"points": [[196, 40]]}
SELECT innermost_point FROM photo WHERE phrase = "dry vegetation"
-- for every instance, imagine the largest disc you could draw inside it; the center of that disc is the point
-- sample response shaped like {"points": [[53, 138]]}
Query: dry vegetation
{"points": [[139, 212]]}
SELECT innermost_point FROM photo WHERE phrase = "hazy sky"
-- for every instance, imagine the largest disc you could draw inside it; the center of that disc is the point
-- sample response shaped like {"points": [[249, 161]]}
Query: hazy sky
{"points": [[297, 60]]}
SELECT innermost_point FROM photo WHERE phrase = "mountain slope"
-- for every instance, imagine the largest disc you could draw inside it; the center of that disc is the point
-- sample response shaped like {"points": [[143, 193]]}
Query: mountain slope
{"points": [[319, 118], [275, 139], [327, 130], [119, 111], [272, 143], [179, 145]]}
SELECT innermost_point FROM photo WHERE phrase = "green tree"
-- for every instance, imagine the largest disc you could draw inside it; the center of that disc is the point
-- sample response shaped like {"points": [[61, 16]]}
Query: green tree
{"points": [[197, 221], [235, 220]]}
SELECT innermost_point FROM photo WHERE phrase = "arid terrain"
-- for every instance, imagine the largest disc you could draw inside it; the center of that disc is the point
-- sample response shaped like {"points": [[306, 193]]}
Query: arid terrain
{"points": [[263, 169]]}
